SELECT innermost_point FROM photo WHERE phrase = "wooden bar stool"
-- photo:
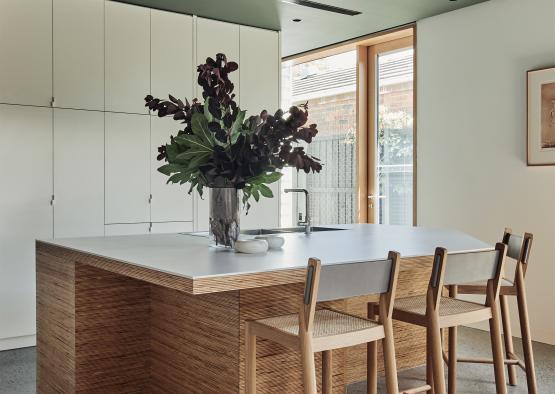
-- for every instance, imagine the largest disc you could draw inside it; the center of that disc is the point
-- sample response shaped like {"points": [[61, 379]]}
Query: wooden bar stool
{"points": [[436, 312], [323, 330], [518, 248]]}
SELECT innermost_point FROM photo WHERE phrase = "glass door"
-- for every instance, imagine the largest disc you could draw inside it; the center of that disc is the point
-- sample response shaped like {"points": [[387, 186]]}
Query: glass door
{"points": [[390, 178], [328, 86]]}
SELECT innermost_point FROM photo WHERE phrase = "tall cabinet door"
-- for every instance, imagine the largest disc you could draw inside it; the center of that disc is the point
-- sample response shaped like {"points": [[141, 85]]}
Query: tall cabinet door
{"points": [[259, 75], [214, 37], [170, 202], [78, 173], [26, 52], [25, 210], [127, 57], [127, 147], [171, 64], [79, 54]]}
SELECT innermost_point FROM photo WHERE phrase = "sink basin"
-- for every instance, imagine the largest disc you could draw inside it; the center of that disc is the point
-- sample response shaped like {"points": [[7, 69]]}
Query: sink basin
{"points": [[263, 231]]}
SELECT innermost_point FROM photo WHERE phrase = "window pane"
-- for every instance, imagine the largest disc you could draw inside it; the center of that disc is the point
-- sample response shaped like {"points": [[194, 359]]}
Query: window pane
{"points": [[395, 137], [329, 87]]}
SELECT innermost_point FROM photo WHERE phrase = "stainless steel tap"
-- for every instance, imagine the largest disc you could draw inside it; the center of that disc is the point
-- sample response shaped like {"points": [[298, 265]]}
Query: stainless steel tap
{"points": [[306, 223]]}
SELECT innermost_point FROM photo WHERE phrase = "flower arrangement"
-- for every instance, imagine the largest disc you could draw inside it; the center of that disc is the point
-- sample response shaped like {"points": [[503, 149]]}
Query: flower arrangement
{"points": [[219, 147]]}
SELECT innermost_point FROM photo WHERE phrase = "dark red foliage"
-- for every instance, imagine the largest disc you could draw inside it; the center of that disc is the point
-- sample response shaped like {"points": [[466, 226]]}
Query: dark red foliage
{"points": [[265, 142]]}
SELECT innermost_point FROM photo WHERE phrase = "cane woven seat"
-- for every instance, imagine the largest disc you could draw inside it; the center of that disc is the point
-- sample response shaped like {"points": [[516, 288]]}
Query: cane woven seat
{"points": [[326, 323], [447, 306]]}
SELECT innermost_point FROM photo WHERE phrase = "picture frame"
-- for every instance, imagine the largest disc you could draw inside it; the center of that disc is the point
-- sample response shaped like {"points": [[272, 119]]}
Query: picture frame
{"points": [[541, 117]]}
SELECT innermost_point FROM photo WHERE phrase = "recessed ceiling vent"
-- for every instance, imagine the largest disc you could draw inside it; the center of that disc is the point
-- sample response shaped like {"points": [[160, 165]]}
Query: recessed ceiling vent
{"points": [[323, 7]]}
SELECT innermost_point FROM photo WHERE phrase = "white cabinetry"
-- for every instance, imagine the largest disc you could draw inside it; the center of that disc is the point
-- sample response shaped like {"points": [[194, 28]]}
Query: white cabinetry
{"points": [[259, 75], [127, 172], [127, 229], [26, 52], [79, 54], [171, 54], [172, 72], [171, 227], [215, 37], [78, 173], [127, 57], [95, 151], [170, 202], [25, 210]]}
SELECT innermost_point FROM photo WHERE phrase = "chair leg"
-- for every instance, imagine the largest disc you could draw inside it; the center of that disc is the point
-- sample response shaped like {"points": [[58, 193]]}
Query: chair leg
{"points": [[508, 339], [497, 350], [371, 358], [327, 384], [526, 336], [452, 369], [250, 368], [389, 358], [429, 361], [437, 359], [309, 369]]}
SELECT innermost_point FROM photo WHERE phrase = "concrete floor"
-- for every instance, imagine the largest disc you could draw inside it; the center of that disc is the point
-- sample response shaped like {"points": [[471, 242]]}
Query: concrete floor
{"points": [[17, 369]]}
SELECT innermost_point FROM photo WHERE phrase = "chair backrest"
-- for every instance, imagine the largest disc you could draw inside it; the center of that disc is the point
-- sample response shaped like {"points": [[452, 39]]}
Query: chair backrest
{"points": [[354, 279], [471, 267], [518, 247], [462, 268], [333, 282]]}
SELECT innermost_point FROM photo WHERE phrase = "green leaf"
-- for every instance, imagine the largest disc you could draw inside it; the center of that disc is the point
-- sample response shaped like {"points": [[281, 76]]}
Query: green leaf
{"points": [[199, 124], [207, 114], [180, 177], [195, 142], [191, 153], [194, 182], [265, 191], [237, 126], [172, 151], [169, 169], [255, 193], [197, 161], [265, 178]]}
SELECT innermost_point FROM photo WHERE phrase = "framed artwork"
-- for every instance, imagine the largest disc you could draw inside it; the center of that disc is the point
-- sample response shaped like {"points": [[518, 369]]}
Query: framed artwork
{"points": [[541, 117]]}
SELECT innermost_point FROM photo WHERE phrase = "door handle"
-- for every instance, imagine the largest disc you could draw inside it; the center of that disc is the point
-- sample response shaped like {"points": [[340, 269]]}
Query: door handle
{"points": [[372, 198]]}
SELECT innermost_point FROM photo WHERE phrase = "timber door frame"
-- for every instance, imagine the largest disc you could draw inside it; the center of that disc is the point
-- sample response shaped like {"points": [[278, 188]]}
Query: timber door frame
{"points": [[367, 120]]}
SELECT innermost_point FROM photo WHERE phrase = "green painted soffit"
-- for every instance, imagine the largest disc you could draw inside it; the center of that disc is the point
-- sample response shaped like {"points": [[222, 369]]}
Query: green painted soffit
{"points": [[318, 28]]}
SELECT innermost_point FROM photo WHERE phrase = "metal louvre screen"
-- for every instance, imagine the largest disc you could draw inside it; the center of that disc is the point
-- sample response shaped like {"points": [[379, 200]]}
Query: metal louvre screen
{"points": [[329, 87]]}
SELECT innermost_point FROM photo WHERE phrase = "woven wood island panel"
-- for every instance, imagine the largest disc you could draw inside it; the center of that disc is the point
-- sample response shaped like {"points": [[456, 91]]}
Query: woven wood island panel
{"points": [[102, 331]]}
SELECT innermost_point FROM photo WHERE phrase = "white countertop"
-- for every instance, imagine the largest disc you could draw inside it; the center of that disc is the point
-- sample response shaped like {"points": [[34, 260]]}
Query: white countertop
{"points": [[190, 256]]}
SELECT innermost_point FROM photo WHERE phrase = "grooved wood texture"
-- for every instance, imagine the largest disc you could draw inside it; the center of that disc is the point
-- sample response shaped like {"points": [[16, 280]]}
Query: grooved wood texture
{"points": [[194, 342], [118, 267], [111, 332], [55, 323], [104, 329]]}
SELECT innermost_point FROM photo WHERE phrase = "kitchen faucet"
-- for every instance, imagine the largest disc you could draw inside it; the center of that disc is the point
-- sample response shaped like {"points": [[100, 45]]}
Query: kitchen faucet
{"points": [[306, 222]]}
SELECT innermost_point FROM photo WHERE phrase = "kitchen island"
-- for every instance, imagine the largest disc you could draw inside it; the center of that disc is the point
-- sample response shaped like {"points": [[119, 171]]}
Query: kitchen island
{"points": [[165, 312]]}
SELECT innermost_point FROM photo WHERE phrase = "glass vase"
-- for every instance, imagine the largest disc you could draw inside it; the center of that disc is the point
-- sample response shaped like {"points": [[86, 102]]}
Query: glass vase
{"points": [[224, 216]]}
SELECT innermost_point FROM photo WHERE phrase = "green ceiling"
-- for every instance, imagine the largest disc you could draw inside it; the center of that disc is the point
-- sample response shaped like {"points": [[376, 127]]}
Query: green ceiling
{"points": [[318, 28]]}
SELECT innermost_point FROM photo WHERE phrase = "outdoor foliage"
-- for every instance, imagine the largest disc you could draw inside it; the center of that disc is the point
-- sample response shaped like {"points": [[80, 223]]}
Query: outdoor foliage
{"points": [[218, 146]]}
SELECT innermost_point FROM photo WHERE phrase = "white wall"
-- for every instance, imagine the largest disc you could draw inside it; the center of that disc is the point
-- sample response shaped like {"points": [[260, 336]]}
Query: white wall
{"points": [[472, 172]]}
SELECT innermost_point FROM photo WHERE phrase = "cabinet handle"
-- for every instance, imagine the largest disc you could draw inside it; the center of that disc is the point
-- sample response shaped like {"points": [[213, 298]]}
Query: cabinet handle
{"points": [[52, 200], [53, 101], [150, 199]]}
